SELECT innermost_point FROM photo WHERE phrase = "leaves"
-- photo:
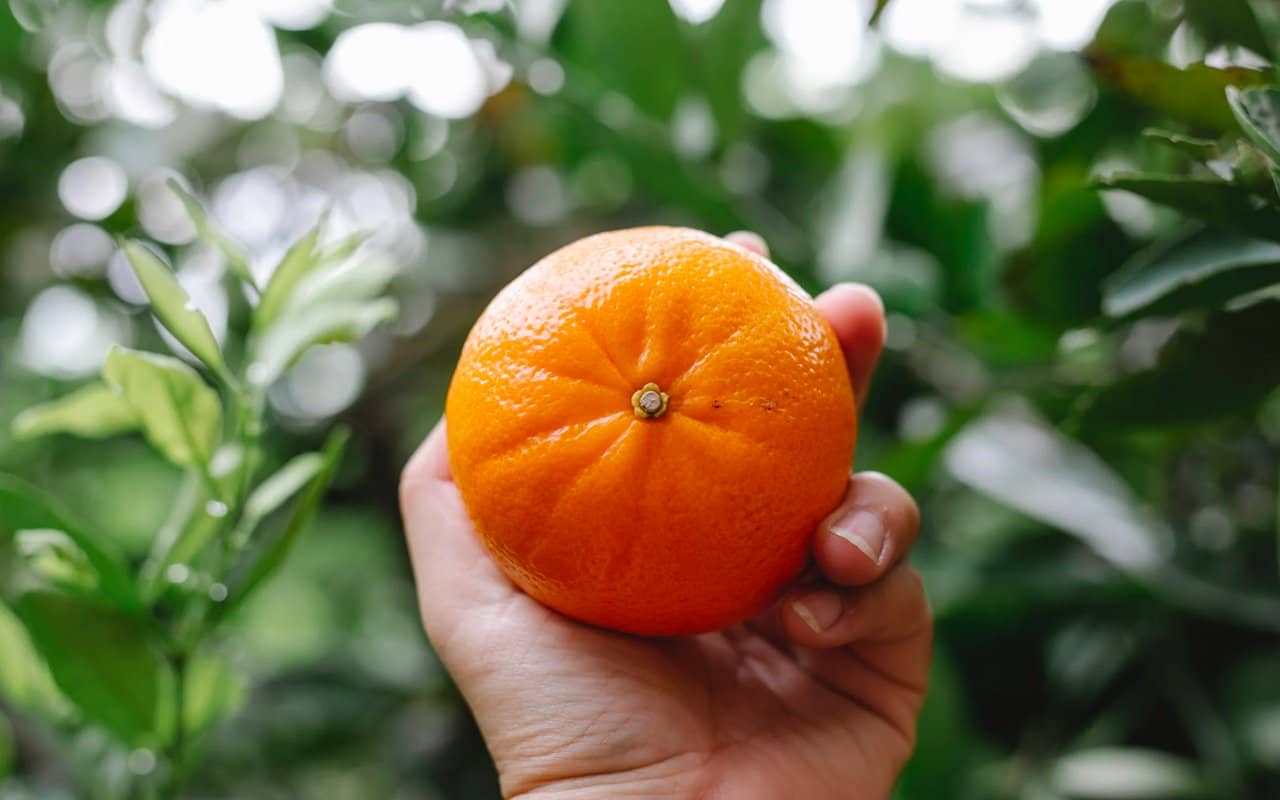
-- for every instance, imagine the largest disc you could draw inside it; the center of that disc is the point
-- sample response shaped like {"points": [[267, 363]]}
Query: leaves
{"points": [[93, 411], [1193, 146], [1223, 367], [1026, 465], [285, 342], [1229, 21], [214, 689], [102, 661], [1258, 112], [170, 303], [297, 262], [1202, 269], [278, 488], [25, 682], [341, 282], [268, 558], [210, 233], [617, 42], [24, 506], [1214, 201], [179, 413], [1195, 95], [881, 5]]}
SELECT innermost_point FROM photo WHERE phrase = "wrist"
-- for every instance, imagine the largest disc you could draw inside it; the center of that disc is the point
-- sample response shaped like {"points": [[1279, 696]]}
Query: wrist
{"points": [[679, 778]]}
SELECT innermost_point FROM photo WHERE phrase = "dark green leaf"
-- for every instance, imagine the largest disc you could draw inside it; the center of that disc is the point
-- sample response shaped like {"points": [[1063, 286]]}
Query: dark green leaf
{"points": [[8, 749], [24, 506], [1193, 146], [93, 411], [878, 10], [297, 262], [286, 341], [720, 50], [1217, 202], [1224, 367], [1258, 112], [1227, 21], [103, 661], [263, 561], [1195, 95], [170, 303], [634, 49], [180, 414], [1204, 268], [232, 252]]}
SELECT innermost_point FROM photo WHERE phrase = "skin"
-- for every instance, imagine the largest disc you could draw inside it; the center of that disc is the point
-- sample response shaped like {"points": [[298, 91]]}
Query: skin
{"points": [[816, 698]]}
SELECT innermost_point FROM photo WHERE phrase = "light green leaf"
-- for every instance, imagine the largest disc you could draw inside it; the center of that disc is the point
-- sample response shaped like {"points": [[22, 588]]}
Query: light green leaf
{"points": [[25, 682], [1106, 773], [1217, 202], [103, 661], [232, 252], [1195, 94], [1204, 268], [262, 562], [1194, 147], [214, 690], [94, 411], [341, 283], [278, 488], [1258, 112], [297, 262], [173, 307], [344, 248], [24, 506], [57, 559], [180, 414], [285, 342]]}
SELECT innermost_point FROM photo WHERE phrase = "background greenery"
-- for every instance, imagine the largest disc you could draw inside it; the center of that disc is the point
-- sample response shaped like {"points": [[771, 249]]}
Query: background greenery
{"points": [[1080, 384]]}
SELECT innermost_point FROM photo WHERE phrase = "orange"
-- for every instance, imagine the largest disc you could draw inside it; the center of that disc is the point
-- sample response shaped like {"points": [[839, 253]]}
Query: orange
{"points": [[646, 427]]}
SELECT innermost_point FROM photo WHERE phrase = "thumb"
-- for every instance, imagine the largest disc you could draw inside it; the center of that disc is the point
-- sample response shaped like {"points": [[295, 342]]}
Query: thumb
{"points": [[453, 572]]}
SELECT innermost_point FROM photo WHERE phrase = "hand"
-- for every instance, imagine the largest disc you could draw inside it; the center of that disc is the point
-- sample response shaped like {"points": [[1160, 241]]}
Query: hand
{"points": [[817, 698]]}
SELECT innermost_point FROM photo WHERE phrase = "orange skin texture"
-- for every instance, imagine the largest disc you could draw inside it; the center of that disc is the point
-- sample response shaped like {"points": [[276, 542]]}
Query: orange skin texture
{"points": [[678, 524]]}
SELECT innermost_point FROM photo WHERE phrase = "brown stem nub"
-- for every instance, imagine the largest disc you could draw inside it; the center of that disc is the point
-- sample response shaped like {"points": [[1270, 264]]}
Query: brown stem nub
{"points": [[649, 402]]}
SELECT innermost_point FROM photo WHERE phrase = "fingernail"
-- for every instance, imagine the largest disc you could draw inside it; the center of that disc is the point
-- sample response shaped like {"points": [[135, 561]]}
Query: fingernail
{"points": [[869, 292], [864, 530], [819, 610]]}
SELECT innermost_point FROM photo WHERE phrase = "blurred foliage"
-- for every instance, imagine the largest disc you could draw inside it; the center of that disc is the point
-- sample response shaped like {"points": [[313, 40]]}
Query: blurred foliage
{"points": [[1079, 260]]}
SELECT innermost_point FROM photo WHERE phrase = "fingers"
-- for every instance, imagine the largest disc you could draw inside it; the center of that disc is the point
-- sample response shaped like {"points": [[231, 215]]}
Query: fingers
{"points": [[890, 610], [856, 314], [752, 241], [452, 570], [869, 533]]}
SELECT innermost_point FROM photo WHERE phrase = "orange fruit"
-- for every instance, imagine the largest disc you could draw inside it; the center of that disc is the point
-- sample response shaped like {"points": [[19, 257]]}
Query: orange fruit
{"points": [[646, 427]]}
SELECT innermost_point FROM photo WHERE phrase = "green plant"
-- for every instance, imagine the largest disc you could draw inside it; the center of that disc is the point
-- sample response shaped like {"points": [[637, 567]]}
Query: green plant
{"points": [[132, 649]]}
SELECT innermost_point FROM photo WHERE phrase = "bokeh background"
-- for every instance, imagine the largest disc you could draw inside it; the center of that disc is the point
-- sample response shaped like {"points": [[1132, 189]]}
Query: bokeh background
{"points": [[1104, 575]]}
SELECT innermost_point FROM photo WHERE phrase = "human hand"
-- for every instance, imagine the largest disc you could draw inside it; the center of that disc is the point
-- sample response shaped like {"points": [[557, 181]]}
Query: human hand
{"points": [[816, 698]]}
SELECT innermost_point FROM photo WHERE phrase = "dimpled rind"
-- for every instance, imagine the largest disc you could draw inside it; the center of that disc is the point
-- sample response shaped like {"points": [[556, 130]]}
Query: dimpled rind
{"points": [[680, 523]]}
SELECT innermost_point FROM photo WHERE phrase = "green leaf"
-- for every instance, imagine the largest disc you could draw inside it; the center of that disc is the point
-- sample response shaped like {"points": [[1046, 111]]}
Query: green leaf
{"points": [[1029, 466], [25, 682], [102, 661], [214, 690], [881, 5], [1217, 202], [634, 49], [285, 342], [93, 411], [297, 262], [1195, 95], [8, 749], [263, 561], [1131, 773], [720, 50], [57, 559], [1204, 268], [1192, 146], [236, 258], [1224, 367], [342, 282], [24, 506], [173, 307], [1258, 112], [278, 488], [180, 414], [1227, 21], [344, 248]]}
